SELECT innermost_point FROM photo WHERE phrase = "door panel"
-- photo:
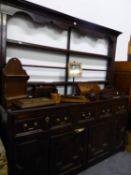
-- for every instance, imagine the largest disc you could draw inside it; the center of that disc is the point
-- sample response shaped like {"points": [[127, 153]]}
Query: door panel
{"points": [[32, 157], [99, 140], [67, 150]]}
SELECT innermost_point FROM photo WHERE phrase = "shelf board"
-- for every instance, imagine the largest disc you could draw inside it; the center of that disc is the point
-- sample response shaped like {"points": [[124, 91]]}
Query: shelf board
{"points": [[56, 67], [58, 50], [95, 70], [96, 56], [69, 83], [36, 46], [42, 66]]}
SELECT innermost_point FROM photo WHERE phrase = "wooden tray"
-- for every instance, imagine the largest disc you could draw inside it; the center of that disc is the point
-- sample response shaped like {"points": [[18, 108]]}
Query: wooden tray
{"points": [[33, 102]]}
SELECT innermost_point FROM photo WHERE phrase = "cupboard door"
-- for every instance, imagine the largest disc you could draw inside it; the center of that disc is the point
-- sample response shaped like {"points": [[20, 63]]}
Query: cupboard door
{"points": [[120, 124], [32, 158], [67, 152], [120, 131], [99, 140]]}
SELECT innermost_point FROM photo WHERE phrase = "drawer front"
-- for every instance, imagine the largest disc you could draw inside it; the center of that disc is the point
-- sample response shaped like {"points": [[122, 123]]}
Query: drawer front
{"points": [[86, 114], [61, 118], [32, 122], [28, 125], [104, 110], [120, 105], [44, 120]]}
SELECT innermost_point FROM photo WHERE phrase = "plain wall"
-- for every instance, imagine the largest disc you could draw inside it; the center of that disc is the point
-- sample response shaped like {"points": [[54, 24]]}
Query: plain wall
{"points": [[114, 14]]}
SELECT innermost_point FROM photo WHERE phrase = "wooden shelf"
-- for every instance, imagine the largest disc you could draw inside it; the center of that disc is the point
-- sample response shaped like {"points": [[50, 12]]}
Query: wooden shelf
{"points": [[58, 50], [36, 46], [56, 67], [97, 56], [69, 83], [40, 66]]}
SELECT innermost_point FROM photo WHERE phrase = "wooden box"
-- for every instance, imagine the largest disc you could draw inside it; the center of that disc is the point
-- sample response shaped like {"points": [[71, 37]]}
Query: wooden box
{"points": [[86, 89]]}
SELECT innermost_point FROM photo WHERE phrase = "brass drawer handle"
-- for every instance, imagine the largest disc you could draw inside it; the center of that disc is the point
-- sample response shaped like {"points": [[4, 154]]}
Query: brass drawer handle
{"points": [[31, 128], [83, 114], [58, 119], [47, 119], [106, 110], [123, 106], [35, 123], [89, 113], [119, 107], [103, 111], [65, 118], [25, 125], [79, 130], [104, 144]]}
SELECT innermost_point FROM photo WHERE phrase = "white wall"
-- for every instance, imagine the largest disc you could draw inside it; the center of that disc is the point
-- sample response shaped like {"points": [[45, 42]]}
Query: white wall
{"points": [[114, 14]]}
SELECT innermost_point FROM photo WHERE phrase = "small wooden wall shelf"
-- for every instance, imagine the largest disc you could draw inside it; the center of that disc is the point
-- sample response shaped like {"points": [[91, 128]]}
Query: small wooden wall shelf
{"points": [[15, 81]]}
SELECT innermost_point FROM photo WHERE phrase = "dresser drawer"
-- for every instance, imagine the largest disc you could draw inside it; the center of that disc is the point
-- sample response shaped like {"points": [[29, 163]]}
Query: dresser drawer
{"points": [[86, 114], [104, 110], [120, 106], [61, 119], [28, 125]]}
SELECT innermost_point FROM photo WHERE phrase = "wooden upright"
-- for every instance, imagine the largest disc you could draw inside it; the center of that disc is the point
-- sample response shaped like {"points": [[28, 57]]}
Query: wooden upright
{"points": [[129, 50]]}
